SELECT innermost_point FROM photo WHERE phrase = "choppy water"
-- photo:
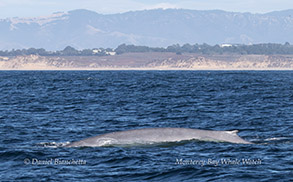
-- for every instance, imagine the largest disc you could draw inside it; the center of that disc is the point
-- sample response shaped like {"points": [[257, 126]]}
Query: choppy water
{"points": [[48, 108]]}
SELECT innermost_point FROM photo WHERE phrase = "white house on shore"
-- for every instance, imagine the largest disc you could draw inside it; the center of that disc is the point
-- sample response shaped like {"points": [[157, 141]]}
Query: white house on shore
{"points": [[97, 51], [226, 45]]}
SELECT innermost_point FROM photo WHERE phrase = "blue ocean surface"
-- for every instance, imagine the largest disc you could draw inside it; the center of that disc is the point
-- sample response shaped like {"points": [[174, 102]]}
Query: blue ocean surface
{"points": [[40, 111]]}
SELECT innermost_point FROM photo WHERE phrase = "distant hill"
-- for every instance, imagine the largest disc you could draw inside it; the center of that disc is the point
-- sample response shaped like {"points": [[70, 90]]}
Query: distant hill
{"points": [[157, 28]]}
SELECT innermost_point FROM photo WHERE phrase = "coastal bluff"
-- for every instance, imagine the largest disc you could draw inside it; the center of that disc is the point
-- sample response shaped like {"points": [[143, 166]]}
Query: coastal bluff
{"points": [[149, 61]]}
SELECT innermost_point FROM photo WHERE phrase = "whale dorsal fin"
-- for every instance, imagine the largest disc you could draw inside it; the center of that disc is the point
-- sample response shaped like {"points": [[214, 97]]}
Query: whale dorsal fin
{"points": [[233, 132]]}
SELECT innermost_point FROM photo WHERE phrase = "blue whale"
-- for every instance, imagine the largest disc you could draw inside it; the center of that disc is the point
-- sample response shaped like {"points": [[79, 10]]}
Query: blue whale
{"points": [[158, 135]]}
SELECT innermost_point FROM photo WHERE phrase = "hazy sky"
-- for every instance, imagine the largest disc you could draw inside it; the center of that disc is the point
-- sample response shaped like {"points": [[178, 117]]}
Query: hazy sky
{"points": [[31, 8]]}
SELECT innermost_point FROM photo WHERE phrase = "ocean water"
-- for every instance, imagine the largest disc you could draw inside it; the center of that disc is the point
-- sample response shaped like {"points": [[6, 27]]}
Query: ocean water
{"points": [[42, 110]]}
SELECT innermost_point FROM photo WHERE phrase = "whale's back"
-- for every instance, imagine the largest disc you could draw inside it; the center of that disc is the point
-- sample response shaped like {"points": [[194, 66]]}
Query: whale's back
{"points": [[159, 135]]}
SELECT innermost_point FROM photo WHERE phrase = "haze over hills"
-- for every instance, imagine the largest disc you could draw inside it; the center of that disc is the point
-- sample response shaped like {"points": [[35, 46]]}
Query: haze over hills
{"points": [[156, 28]]}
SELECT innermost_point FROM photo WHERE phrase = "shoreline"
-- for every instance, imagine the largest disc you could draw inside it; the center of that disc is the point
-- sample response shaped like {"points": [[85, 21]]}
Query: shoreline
{"points": [[150, 61], [144, 69]]}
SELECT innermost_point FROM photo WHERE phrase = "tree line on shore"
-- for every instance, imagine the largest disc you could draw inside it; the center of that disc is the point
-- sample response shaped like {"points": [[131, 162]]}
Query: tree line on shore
{"points": [[267, 49], [67, 51]]}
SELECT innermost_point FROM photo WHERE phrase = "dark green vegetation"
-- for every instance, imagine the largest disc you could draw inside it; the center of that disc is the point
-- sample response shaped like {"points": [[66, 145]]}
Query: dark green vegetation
{"points": [[68, 51], [268, 49]]}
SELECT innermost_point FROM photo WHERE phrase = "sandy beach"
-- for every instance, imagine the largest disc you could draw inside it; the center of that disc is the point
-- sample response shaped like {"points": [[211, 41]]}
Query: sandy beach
{"points": [[149, 61]]}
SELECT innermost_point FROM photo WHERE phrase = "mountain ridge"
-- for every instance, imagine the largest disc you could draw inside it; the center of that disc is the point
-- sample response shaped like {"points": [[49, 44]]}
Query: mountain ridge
{"points": [[157, 28]]}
